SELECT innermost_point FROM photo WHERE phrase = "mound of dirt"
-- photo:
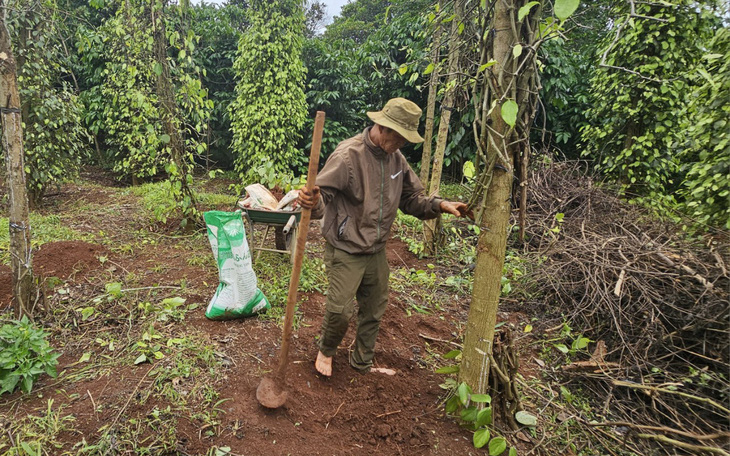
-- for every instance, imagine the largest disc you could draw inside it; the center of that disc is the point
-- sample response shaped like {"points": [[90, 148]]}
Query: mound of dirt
{"points": [[65, 258], [61, 259]]}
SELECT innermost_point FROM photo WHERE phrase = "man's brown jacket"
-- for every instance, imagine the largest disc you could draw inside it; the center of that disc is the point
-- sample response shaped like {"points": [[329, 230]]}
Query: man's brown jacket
{"points": [[362, 187]]}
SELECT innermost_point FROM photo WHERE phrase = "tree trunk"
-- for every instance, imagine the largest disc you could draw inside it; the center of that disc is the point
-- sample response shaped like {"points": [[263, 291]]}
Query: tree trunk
{"points": [[500, 146], [432, 228], [431, 104], [12, 141]]}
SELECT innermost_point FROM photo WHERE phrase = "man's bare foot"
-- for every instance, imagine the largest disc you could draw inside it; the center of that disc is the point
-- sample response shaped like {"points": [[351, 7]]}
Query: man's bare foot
{"points": [[323, 364], [383, 370]]}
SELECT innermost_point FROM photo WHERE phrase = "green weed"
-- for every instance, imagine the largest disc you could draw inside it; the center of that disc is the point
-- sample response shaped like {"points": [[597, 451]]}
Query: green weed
{"points": [[37, 435], [24, 355]]}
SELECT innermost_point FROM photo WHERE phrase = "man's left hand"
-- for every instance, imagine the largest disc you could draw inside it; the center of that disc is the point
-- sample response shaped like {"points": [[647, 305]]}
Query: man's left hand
{"points": [[457, 208]]}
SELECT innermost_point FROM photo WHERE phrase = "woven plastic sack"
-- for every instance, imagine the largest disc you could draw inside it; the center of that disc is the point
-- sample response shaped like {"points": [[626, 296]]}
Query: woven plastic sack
{"points": [[237, 294]]}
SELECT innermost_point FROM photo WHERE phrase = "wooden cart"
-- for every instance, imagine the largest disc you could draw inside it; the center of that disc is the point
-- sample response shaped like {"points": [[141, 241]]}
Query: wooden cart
{"points": [[284, 223]]}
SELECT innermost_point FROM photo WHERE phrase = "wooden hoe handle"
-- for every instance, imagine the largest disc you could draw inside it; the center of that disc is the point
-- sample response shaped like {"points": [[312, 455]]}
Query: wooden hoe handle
{"points": [[296, 272]]}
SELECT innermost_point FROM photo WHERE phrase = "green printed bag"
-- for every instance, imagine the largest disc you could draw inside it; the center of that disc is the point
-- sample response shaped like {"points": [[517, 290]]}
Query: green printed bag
{"points": [[237, 295]]}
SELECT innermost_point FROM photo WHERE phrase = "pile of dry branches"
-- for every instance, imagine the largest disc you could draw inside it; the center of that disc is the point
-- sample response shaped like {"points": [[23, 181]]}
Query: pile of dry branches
{"points": [[656, 297]]}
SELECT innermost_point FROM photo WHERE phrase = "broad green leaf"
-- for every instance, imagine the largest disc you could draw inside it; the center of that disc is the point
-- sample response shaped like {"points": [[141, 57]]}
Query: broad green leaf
{"points": [[525, 10], [176, 301], [481, 398], [517, 50], [27, 384], [86, 312], [497, 446], [526, 418], [562, 347], [114, 289], [512, 452], [85, 357], [528, 328], [447, 370], [429, 69], [468, 169], [509, 112], [565, 8], [452, 354], [484, 417], [165, 139], [463, 392], [452, 404], [403, 69], [157, 68], [469, 414], [140, 359], [481, 437]]}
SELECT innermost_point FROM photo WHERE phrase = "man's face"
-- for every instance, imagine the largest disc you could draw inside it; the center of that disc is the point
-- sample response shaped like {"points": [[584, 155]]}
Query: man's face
{"points": [[391, 140]]}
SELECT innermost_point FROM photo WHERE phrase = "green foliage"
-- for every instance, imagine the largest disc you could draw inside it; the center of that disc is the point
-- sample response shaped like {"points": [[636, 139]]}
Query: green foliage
{"points": [[703, 141], [219, 29], [336, 85], [143, 91], [565, 75], [636, 97], [475, 412], [24, 355], [39, 434], [54, 138], [357, 20], [121, 103], [270, 107], [157, 199]]}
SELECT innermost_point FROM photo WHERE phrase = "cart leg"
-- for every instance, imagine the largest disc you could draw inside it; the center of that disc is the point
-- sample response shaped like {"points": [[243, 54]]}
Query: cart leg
{"points": [[263, 240], [249, 235], [293, 243]]}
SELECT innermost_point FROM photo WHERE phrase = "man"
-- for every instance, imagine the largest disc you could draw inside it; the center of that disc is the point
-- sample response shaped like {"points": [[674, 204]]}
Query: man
{"points": [[359, 191]]}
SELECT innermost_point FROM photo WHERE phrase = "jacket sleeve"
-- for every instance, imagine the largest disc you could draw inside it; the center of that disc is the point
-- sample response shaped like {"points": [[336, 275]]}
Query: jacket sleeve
{"points": [[413, 200], [334, 177]]}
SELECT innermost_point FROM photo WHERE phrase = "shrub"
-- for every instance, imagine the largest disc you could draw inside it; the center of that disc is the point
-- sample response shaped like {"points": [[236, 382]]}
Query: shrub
{"points": [[24, 355]]}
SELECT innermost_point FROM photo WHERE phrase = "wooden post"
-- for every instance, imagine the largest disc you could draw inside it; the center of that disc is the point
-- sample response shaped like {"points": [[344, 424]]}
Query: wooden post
{"points": [[12, 143]]}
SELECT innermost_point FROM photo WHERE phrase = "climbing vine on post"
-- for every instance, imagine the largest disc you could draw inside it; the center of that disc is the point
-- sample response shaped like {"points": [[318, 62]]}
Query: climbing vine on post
{"points": [[55, 139], [12, 144], [270, 108], [643, 76], [504, 98], [146, 103]]}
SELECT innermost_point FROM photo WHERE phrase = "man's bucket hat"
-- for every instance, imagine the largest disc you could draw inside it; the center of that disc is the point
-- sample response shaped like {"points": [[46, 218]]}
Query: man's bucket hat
{"points": [[402, 116]]}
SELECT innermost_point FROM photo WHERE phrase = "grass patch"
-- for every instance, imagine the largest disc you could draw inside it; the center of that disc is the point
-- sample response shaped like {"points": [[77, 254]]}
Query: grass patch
{"points": [[37, 434], [44, 228], [273, 272]]}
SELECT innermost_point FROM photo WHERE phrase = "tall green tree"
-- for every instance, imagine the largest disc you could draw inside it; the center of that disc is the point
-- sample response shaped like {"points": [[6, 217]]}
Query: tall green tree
{"points": [[703, 141], [270, 108], [219, 29], [144, 99], [645, 67], [337, 86], [55, 139]]}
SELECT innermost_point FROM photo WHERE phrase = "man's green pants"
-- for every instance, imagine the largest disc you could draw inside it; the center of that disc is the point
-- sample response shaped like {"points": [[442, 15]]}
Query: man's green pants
{"points": [[364, 277]]}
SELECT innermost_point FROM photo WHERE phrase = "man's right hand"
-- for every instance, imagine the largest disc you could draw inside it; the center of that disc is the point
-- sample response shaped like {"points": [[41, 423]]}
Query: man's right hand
{"points": [[307, 199]]}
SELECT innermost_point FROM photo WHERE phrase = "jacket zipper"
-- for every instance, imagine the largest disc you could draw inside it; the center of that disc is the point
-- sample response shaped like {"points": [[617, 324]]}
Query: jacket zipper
{"points": [[382, 189]]}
